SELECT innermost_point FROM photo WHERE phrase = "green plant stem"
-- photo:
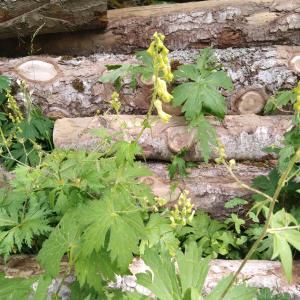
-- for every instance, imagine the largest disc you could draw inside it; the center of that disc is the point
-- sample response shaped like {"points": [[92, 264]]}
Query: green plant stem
{"points": [[271, 230], [280, 185], [245, 186], [154, 96]]}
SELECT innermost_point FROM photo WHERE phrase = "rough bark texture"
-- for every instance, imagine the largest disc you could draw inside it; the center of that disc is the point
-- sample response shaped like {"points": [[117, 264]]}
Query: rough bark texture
{"points": [[256, 273], [243, 136], [19, 18], [210, 186], [192, 25], [5, 176], [69, 87]]}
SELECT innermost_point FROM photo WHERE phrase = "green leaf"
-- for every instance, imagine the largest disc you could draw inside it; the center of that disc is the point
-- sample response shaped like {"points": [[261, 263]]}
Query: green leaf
{"points": [[235, 202], [21, 231], [283, 250], [219, 79], [187, 71], [42, 289], [235, 292], [206, 134], [4, 82], [63, 238], [161, 281], [119, 221], [192, 269], [15, 288], [293, 237]]}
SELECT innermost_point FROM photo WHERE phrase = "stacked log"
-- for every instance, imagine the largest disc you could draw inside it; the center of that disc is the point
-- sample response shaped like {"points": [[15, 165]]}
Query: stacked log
{"points": [[69, 86], [258, 44], [226, 23], [23, 18]]}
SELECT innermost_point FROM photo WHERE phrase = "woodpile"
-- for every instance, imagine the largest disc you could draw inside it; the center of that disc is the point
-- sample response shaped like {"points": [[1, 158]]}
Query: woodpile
{"points": [[226, 23], [257, 42]]}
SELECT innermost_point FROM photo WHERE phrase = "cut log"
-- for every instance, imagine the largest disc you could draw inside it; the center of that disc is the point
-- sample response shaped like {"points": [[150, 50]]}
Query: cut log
{"points": [[243, 136], [69, 87], [23, 17], [256, 273], [210, 186], [192, 25]]}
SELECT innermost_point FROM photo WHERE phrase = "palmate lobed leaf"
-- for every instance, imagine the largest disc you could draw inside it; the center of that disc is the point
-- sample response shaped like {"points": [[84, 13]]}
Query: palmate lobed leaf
{"points": [[62, 238], [117, 220], [17, 231], [16, 288]]}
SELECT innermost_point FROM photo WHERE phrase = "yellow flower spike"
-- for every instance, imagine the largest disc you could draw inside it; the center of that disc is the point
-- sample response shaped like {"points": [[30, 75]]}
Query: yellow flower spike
{"points": [[163, 116], [297, 89], [297, 104]]}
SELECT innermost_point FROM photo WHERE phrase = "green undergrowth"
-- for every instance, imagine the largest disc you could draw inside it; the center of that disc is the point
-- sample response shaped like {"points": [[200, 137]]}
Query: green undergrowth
{"points": [[92, 208]]}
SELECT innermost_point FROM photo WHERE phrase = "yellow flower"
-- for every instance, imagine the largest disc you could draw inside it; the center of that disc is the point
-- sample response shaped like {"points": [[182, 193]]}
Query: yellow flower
{"points": [[297, 104], [163, 91], [163, 116], [297, 89]]}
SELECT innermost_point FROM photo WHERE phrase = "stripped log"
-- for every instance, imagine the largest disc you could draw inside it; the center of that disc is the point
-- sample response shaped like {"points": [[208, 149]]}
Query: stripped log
{"points": [[224, 23], [23, 17], [210, 186], [243, 136], [256, 273], [69, 87]]}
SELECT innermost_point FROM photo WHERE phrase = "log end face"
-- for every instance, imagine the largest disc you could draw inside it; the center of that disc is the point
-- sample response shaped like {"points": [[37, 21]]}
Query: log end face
{"points": [[178, 138], [37, 70], [294, 63], [249, 101]]}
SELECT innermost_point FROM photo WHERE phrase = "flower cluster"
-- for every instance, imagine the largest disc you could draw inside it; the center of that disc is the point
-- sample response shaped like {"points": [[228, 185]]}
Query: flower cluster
{"points": [[159, 202], [15, 113], [162, 74], [115, 103], [183, 211], [222, 154]]}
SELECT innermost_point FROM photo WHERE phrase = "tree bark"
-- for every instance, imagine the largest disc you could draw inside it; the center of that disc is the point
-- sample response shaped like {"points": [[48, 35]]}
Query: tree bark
{"points": [[210, 186], [243, 136], [69, 87], [256, 273], [23, 17], [229, 23]]}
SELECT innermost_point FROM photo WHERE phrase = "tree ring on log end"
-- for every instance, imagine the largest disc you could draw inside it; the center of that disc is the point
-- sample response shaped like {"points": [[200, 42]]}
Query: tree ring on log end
{"points": [[294, 63], [178, 138], [250, 100], [37, 70]]}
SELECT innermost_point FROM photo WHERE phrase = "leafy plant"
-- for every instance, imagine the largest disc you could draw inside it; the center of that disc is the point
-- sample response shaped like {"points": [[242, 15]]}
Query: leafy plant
{"points": [[179, 165], [213, 237], [23, 138], [165, 284], [199, 95]]}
